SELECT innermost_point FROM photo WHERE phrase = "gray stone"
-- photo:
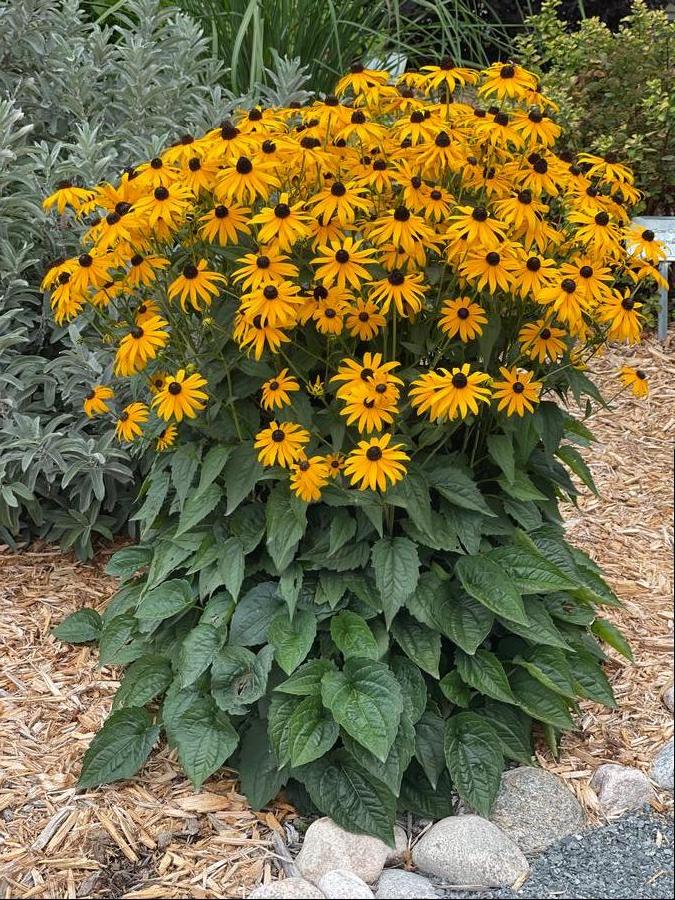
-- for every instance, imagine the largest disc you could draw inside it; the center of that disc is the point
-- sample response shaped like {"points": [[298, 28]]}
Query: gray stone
{"points": [[342, 883], [536, 809], [667, 697], [289, 888], [327, 847], [470, 850], [621, 788], [661, 772], [397, 883], [396, 856]]}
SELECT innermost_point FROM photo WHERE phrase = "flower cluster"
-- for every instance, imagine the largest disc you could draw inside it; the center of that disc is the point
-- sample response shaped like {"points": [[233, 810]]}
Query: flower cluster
{"points": [[404, 258]]}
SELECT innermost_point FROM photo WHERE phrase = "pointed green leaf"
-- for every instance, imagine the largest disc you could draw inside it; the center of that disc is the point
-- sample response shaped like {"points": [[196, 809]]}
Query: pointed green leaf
{"points": [[488, 583], [352, 636], [396, 567], [119, 749], [473, 755], [292, 639]]}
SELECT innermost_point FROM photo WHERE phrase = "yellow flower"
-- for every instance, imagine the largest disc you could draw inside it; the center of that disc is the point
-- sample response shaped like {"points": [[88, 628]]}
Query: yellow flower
{"points": [[275, 391], [447, 394], [402, 228], [224, 224], [462, 317], [246, 180], [374, 464], [507, 81], [635, 379], [364, 320], [182, 395], [252, 333], [477, 227], [621, 312], [316, 388], [140, 345], [492, 269], [405, 290], [343, 262], [95, 401], [195, 284], [309, 476], [166, 205], [340, 200], [128, 425], [281, 443], [517, 393], [354, 374], [277, 304], [541, 340], [166, 438], [67, 194], [336, 463], [283, 224], [330, 309], [265, 267], [143, 269]]}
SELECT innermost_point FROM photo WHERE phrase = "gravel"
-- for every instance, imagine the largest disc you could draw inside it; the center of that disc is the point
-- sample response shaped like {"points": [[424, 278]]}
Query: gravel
{"points": [[623, 859]]}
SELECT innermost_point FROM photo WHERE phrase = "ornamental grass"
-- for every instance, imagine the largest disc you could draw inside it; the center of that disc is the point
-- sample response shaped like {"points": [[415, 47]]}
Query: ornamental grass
{"points": [[352, 336]]}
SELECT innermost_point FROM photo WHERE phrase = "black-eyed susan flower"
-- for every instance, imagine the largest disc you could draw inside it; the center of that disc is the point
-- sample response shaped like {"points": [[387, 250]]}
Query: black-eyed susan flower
{"points": [[276, 390], [95, 402], [246, 180], [597, 231], [308, 476], [446, 394], [404, 289], [329, 313], [166, 205], [402, 228], [540, 340], [196, 285], [343, 263], [277, 304], [493, 269], [335, 463], [352, 373], [621, 313], [517, 393], [145, 310], [141, 344], [462, 317], [89, 271], [129, 421], [181, 396], [67, 194], [607, 167], [255, 335], [282, 225], [360, 80], [342, 200], [477, 226], [364, 320], [436, 206], [143, 269], [536, 128], [532, 274], [223, 224], [507, 81], [281, 443], [166, 438], [376, 463], [635, 379], [642, 242], [157, 382], [371, 405], [265, 267], [590, 273], [566, 297]]}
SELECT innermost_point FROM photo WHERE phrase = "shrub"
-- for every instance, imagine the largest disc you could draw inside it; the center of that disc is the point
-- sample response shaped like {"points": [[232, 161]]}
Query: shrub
{"points": [[83, 102], [614, 90], [353, 332]]}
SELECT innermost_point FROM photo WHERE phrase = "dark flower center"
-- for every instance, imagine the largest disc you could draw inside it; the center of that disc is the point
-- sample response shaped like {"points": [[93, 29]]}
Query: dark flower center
{"points": [[479, 113], [568, 285], [640, 374], [228, 131], [447, 63], [330, 313], [459, 380], [221, 212], [282, 210], [255, 115], [91, 395], [356, 68], [416, 182], [364, 316], [142, 309], [611, 157], [195, 164], [535, 115], [501, 119], [156, 163], [186, 139], [417, 117], [373, 454], [270, 292], [190, 271], [463, 313], [338, 189], [274, 385], [303, 465], [493, 258], [85, 260], [63, 185], [540, 166], [507, 72], [525, 197], [268, 146], [545, 334], [278, 435], [320, 292], [175, 387], [628, 303], [479, 214], [648, 235], [442, 139], [161, 193], [244, 165], [310, 143], [602, 218], [401, 213], [366, 374], [263, 262], [64, 277], [436, 195], [585, 271], [124, 416], [518, 387], [122, 208], [381, 389], [592, 191], [379, 165], [136, 332], [113, 218], [342, 256], [396, 277], [331, 100], [358, 117], [533, 264], [368, 403]]}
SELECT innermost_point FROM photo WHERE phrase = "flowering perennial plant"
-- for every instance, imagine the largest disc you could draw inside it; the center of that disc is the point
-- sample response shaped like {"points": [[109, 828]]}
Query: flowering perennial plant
{"points": [[351, 330]]}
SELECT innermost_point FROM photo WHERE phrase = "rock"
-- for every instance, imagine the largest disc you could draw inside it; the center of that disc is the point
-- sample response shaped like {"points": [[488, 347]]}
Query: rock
{"points": [[536, 808], [661, 772], [343, 883], [667, 697], [395, 857], [289, 887], [327, 847], [470, 850], [621, 788], [395, 884]]}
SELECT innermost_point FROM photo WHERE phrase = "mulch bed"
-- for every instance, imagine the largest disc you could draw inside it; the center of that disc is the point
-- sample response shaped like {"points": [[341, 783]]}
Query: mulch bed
{"points": [[152, 836]]}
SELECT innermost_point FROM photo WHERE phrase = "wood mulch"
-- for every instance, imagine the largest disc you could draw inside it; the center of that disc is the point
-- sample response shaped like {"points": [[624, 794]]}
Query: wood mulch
{"points": [[152, 836]]}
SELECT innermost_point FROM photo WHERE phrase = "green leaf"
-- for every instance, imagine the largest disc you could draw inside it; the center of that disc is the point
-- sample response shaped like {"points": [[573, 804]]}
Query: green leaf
{"points": [[575, 461], [248, 524], [169, 599], [79, 627], [205, 740], [167, 557], [292, 639], [176, 702], [119, 749], [419, 797], [212, 466], [590, 681], [331, 589], [396, 567], [184, 464], [521, 487], [540, 702], [218, 611], [455, 689], [412, 684], [197, 507], [286, 518], [261, 778], [540, 629], [420, 643], [413, 495], [352, 636], [290, 586], [120, 641], [306, 681], [525, 512], [459, 489], [550, 666], [473, 755], [254, 613], [239, 678], [197, 652], [514, 729], [154, 500], [549, 420], [241, 474], [500, 448], [531, 572], [231, 565], [128, 561], [352, 797], [465, 622], [342, 530], [312, 731], [484, 673], [366, 702], [429, 746], [611, 635], [489, 583], [279, 714], [144, 680], [392, 770]]}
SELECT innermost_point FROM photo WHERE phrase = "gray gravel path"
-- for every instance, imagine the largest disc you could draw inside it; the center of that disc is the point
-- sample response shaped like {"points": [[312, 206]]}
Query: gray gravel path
{"points": [[620, 860]]}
